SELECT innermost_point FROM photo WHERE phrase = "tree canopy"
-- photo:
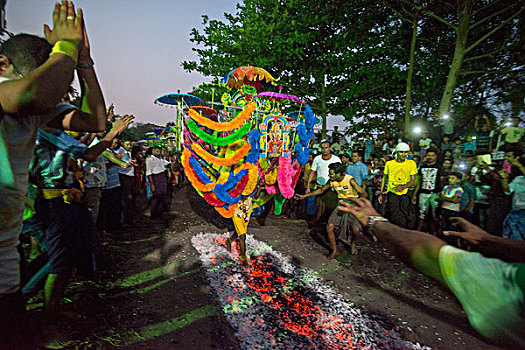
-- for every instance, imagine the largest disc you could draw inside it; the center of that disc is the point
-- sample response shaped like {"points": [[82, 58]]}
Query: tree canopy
{"points": [[352, 57]]}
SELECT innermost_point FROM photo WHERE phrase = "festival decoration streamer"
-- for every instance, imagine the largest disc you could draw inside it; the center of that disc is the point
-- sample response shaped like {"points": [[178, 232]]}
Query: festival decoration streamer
{"points": [[227, 213], [192, 175], [217, 140], [236, 158], [235, 152], [227, 126]]}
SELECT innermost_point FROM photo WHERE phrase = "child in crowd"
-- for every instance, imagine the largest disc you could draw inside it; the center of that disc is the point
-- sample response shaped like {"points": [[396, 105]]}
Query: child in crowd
{"points": [[445, 143], [447, 168], [388, 147], [469, 145], [444, 155], [468, 199], [450, 199], [424, 144], [514, 183]]}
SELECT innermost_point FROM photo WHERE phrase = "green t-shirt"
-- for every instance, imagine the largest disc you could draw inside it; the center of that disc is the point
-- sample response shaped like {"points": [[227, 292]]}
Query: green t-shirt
{"points": [[513, 133]]}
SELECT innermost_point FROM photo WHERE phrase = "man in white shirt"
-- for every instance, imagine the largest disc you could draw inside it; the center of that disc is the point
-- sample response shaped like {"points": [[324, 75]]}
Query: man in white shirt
{"points": [[327, 201], [158, 180]]}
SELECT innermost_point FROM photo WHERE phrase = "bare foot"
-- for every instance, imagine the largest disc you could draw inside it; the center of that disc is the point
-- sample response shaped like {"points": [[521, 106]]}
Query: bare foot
{"points": [[332, 255], [244, 261]]}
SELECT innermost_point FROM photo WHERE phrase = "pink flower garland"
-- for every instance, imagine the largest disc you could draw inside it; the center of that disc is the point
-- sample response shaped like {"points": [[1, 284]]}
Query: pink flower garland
{"points": [[284, 177]]}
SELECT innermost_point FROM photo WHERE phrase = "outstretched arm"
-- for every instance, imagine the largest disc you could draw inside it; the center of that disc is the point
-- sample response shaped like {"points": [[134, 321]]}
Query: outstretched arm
{"points": [[120, 125], [114, 159], [314, 193]]}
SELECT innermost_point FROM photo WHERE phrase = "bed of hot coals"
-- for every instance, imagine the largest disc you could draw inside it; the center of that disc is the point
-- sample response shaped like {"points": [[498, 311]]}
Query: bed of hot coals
{"points": [[273, 304]]}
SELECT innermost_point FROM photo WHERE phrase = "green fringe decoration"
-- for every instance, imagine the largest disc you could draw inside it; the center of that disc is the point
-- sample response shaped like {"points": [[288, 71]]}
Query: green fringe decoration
{"points": [[279, 201], [218, 141]]}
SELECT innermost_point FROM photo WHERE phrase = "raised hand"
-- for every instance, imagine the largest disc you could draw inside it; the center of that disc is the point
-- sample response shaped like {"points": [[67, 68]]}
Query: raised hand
{"points": [[66, 24], [122, 123], [84, 53], [110, 113]]}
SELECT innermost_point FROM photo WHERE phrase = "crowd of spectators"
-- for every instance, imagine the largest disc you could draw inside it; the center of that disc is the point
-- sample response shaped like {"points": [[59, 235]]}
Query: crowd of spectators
{"points": [[420, 201], [420, 183], [107, 182]]}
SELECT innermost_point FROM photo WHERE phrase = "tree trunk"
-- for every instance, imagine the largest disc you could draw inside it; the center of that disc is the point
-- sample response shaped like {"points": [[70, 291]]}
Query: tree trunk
{"points": [[457, 60], [411, 60], [323, 107]]}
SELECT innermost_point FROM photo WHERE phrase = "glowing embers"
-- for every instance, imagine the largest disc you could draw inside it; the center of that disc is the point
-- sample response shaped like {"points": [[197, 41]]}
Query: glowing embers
{"points": [[274, 304]]}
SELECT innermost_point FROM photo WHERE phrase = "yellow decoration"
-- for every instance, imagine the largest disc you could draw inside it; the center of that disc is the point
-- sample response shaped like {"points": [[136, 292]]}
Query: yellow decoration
{"points": [[271, 177], [242, 214], [253, 174], [228, 152]]}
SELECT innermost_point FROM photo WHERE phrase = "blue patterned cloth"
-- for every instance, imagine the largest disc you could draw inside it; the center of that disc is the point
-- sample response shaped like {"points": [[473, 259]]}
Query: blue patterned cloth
{"points": [[358, 171], [514, 225], [49, 165], [112, 173]]}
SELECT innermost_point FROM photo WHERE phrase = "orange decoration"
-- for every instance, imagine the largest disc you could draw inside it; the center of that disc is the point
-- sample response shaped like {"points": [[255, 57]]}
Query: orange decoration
{"points": [[228, 126], [194, 179], [227, 213], [210, 158]]}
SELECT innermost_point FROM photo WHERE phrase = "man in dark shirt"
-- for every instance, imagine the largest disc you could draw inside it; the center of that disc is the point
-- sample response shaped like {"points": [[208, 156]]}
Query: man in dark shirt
{"points": [[428, 189], [483, 134]]}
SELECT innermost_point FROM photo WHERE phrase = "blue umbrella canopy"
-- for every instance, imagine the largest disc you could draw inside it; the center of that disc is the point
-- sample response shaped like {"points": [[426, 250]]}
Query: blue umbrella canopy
{"points": [[176, 98]]}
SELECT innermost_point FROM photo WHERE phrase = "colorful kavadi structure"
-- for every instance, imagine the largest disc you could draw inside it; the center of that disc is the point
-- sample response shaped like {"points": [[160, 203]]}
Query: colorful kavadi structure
{"points": [[244, 152]]}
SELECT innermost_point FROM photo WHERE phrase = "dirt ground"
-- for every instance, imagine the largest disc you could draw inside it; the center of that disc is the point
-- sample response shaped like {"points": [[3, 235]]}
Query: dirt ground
{"points": [[153, 294]]}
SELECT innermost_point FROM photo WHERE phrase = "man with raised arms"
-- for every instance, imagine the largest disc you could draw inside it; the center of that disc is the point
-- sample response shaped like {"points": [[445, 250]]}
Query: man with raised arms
{"points": [[36, 73]]}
